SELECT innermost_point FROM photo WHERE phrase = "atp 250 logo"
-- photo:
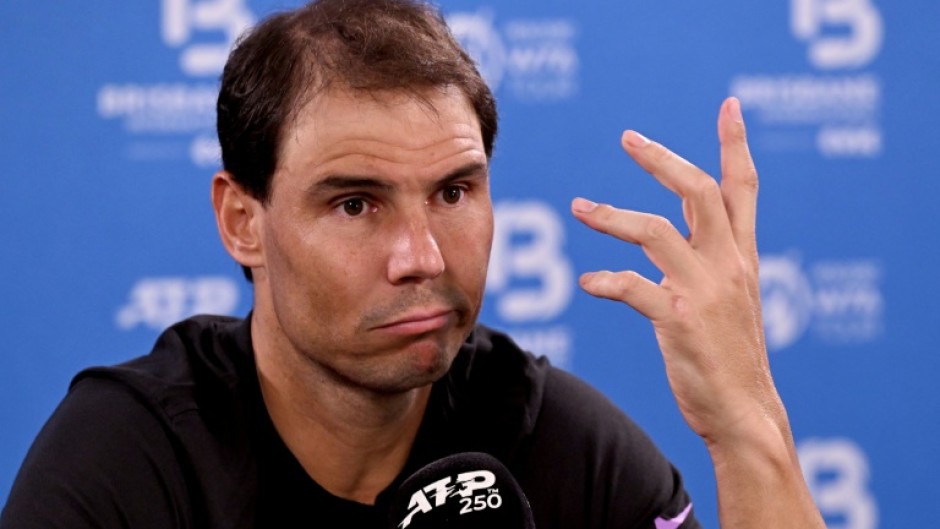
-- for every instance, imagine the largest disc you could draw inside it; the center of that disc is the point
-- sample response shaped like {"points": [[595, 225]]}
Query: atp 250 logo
{"points": [[823, 24], [473, 489]]}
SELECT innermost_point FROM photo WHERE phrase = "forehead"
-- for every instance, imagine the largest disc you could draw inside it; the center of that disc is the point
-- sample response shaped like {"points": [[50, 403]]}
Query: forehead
{"points": [[383, 128]]}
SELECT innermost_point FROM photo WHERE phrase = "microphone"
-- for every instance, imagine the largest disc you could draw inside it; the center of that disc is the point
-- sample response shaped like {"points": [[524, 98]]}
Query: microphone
{"points": [[467, 490]]}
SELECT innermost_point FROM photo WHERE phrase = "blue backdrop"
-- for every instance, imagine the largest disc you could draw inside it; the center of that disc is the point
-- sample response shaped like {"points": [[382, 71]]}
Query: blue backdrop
{"points": [[107, 137]]}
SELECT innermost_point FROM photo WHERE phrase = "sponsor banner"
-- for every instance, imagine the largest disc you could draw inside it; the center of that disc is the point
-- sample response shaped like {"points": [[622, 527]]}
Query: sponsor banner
{"points": [[532, 60], [110, 147], [158, 302], [174, 119], [834, 107], [530, 282], [840, 302], [837, 472]]}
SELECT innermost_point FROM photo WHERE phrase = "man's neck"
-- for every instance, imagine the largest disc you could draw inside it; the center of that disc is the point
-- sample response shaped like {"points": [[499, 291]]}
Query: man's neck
{"points": [[351, 441]]}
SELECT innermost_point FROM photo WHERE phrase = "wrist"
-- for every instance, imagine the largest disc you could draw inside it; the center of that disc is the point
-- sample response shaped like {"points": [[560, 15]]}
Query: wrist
{"points": [[758, 475], [761, 439]]}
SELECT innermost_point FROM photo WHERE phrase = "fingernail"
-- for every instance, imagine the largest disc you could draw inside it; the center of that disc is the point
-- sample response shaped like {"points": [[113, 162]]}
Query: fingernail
{"points": [[734, 109], [583, 205], [635, 139]]}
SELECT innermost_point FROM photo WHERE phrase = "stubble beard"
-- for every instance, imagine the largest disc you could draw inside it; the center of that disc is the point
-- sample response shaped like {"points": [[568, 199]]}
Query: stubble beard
{"points": [[402, 369]]}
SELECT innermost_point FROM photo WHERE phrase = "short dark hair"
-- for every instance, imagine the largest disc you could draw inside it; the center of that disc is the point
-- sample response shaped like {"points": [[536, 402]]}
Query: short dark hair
{"points": [[358, 45]]}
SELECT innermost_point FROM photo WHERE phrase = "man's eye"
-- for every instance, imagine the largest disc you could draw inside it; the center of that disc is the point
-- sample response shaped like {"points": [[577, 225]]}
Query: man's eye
{"points": [[354, 206], [452, 194]]}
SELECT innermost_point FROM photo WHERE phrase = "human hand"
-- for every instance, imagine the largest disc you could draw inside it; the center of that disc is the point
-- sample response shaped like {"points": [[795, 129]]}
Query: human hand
{"points": [[706, 310]]}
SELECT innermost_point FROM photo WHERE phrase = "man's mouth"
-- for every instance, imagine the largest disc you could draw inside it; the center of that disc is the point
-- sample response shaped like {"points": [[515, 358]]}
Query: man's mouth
{"points": [[418, 322]]}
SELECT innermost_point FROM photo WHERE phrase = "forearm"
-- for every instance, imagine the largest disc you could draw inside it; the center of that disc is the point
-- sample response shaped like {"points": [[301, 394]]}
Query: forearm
{"points": [[759, 480]]}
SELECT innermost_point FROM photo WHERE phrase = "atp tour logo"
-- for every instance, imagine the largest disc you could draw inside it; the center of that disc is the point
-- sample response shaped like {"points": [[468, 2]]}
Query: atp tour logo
{"points": [[174, 120], [465, 488], [534, 59], [530, 277], [840, 301], [158, 302], [833, 113]]}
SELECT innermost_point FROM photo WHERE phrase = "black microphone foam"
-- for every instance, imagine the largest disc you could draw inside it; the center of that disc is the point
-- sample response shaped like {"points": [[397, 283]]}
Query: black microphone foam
{"points": [[467, 490]]}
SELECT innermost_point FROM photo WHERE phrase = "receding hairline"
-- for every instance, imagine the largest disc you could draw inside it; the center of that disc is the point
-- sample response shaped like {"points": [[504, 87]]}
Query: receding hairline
{"points": [[424, 95], [427, 98]]}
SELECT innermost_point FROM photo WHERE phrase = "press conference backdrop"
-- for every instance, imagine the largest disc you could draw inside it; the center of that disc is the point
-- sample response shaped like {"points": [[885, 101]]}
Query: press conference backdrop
{"points": [[108, 147]]}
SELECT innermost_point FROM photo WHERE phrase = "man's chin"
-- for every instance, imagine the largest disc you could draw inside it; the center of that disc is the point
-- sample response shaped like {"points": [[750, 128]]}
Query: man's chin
{"points": [[424, 363], [419, 364]]}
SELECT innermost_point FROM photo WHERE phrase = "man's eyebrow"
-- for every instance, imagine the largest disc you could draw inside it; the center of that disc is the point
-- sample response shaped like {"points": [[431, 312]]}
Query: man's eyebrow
{"points": [[474, 169], [340, 182]]}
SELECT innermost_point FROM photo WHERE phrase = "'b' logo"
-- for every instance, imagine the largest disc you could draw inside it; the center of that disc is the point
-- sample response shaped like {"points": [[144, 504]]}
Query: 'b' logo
{"points": [[528, 247], [838, 49]]}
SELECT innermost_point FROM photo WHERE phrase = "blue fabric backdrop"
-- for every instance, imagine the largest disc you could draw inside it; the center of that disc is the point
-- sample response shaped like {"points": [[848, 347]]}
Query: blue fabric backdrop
{"points": [[107, 139]]}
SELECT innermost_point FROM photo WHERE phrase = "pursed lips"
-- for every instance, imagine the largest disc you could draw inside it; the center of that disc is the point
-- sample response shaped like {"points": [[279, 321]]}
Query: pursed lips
{"points": [[418, 321]]}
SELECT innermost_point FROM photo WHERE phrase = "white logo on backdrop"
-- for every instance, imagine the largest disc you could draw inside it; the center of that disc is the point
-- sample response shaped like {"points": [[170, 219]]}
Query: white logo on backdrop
{"points": [[158, 302], [841, 301], [534, 59], [835, 114], [173, 120], [205, 151], [786, 300], [181, 18], [159, 108], [852, 49], [849, 303], [540, 258], [531, 277], [479, 38], [836, 471]]}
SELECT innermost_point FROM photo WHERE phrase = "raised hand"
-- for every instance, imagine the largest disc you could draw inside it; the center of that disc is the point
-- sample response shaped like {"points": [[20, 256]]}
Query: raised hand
{"points": [[706, 314]]}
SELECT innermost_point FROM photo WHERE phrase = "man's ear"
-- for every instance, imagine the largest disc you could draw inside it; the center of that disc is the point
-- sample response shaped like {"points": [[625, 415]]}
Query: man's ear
{"points": [[239, 217]]}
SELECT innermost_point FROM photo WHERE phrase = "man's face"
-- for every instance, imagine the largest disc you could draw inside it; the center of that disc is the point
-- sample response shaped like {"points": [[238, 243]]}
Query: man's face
{"points": [[377, 235]]}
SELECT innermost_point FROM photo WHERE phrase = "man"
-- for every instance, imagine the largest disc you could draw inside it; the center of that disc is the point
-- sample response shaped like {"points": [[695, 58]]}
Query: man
{"points": [[356, 137]]}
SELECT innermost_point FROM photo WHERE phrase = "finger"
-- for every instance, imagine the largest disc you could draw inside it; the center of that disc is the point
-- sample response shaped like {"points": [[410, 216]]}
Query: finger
{"points": [[646, 297], [738, 178], [663, 244], [702, 202]]}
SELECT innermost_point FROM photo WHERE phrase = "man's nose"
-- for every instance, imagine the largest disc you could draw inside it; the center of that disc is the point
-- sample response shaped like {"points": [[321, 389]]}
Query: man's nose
{"points": [[415, 254]]}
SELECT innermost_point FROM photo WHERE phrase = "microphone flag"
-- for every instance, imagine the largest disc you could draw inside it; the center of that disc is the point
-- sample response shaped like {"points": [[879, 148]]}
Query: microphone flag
{"points": [[465, 490]]}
